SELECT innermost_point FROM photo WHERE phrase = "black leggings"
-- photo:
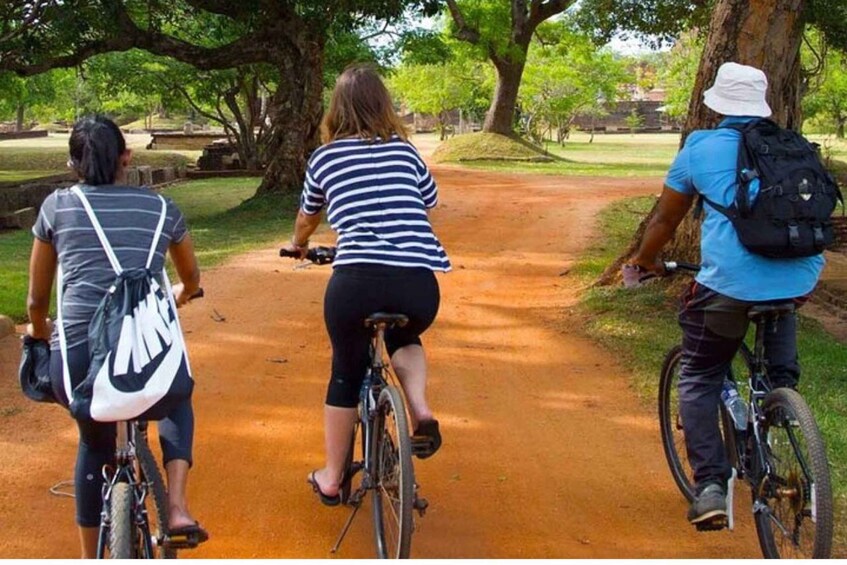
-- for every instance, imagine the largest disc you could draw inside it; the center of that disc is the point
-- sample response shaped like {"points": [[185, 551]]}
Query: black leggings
{"points": [[97, 440], [353, 293]]}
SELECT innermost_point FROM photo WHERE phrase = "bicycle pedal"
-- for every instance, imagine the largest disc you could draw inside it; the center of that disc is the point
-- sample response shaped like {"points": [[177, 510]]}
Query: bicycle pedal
{"points": [[422, 445], [714, 525], [188, 541]]}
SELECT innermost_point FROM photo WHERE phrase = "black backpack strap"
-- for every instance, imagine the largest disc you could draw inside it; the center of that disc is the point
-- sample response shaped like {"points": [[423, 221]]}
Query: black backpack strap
{"points": [[746, 170]]}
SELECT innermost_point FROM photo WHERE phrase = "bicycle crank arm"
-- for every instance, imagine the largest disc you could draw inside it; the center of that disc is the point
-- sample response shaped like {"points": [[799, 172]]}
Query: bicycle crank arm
{"points": [[730, 507], [347, 525]]}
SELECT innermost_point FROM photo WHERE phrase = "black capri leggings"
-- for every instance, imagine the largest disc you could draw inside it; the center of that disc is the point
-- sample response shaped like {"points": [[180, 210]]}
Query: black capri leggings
{"points": [[97, 439], [353, 293]]}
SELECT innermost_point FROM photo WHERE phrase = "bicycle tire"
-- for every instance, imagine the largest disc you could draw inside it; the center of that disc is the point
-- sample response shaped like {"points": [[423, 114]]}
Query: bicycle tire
{"points": [[156, 486], [394, 488], [122, 533], [670, 424], [788, 491]]}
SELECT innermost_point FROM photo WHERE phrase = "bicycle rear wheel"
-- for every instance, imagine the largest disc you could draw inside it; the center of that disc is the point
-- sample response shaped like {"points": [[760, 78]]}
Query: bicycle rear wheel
{"points": [[393, 495], [123, 536], [157, 514], [670, 424], [793, 502]]}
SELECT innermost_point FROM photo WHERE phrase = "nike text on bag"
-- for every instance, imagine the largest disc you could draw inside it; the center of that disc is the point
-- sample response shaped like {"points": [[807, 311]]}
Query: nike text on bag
{"points": [[785, 197], [139, 366]]}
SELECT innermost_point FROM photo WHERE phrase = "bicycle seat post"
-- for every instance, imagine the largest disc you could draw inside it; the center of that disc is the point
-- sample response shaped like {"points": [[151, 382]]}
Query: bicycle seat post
{"points": [[122, 442]]}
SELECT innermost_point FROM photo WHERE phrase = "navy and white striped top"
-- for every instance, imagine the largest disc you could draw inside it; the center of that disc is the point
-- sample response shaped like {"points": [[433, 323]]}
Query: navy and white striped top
{"points": [[377, 195]]}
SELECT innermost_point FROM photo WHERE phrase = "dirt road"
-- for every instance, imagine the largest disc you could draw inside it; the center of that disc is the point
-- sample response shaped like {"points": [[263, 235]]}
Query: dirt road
{"points": [[547, 451]]}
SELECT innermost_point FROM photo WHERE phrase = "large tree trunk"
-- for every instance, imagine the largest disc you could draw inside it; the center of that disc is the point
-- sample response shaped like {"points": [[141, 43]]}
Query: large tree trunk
{"points": [[295, 111], [501, 114], [19, 121], [762, 33]]}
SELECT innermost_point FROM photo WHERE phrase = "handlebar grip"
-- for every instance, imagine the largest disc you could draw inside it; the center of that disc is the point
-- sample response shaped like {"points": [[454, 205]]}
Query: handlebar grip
{"points": [[286, 253], [198, 294]]}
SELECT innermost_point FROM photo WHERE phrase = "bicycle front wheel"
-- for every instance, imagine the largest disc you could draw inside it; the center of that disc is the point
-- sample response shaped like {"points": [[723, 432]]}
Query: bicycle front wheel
{"points": [[793, 501], [394, 479], [122, 532], [670, 424]]}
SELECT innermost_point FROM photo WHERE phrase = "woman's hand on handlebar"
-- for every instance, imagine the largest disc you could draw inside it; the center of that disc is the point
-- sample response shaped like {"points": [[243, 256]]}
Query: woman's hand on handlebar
{"points": [[294, 251], [635, 273], [181, 297]]}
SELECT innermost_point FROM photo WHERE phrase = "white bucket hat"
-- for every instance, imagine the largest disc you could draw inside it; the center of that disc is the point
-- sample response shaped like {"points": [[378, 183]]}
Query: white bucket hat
{"points": [[739, 90]]}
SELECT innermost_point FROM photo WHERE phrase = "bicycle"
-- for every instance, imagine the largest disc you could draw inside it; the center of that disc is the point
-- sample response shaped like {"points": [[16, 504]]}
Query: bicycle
{"points": [[387, 447], [126, 529], [778, 452]]}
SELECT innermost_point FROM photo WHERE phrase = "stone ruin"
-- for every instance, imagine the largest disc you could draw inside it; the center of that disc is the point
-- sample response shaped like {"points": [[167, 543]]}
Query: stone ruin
{"points": [[219, 156], [19, 204]]}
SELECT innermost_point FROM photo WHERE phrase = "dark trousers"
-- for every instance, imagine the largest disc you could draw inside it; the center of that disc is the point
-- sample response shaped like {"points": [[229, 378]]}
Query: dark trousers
{"points": [[97, 439], [352, 294], [713, 327]]}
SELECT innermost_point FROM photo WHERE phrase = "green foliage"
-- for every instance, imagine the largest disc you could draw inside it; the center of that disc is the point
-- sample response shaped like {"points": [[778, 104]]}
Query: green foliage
{"points": [[634, 120], [48, 96], [678, 73], [565, 79], [439, 88], [827, 102]]}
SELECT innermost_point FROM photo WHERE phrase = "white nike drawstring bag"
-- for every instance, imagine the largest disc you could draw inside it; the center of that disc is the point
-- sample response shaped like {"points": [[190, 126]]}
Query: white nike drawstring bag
{"points": [[139, 365]]}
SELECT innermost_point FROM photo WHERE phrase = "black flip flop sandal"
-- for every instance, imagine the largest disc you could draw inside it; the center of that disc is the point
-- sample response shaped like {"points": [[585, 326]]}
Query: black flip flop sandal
{"points": [[325, 499]]}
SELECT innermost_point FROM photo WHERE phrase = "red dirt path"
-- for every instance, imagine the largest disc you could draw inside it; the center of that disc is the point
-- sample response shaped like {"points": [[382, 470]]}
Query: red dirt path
{"points": [[547, 453]]}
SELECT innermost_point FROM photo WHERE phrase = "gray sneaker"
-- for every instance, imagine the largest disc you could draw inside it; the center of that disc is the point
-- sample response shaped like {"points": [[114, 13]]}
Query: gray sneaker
{"points": [[708, 511]]}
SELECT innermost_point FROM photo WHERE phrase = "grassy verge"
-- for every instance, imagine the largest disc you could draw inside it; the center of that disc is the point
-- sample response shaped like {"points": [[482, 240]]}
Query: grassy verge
{"points": [[52, 160], [604, 155], [640, 325], [221, 219]]}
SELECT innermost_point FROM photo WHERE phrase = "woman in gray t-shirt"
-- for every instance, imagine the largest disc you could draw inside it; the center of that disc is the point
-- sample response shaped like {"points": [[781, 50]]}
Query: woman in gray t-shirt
{"points": [[65, 237]]}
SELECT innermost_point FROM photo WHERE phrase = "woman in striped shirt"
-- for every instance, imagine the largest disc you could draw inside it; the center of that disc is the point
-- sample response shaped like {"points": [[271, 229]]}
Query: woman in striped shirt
{"points": [[377, 192]]}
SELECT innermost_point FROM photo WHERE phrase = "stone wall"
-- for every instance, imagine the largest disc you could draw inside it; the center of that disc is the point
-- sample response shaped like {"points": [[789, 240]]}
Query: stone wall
{"points": [[19, 205], [4, 136]]}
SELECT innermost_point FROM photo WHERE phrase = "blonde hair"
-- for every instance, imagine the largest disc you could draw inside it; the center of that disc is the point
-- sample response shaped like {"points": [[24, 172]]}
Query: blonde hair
{"points": [[361, 107]]}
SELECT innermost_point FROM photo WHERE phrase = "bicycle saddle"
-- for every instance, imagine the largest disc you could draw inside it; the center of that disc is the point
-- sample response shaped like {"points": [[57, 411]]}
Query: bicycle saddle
{"points": [[771, 309], [390, 320]]}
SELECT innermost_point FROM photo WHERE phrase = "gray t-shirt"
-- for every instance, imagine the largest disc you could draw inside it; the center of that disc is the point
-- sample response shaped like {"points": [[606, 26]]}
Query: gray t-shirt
{"points": [[129, 216]]}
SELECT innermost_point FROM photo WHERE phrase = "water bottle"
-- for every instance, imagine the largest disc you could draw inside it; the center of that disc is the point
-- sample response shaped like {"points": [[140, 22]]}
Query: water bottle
{"points": [[734, 404]]}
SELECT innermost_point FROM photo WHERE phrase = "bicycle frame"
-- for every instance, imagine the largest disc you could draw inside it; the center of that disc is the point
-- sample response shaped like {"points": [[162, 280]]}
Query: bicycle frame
{"points": [[373, 383]]}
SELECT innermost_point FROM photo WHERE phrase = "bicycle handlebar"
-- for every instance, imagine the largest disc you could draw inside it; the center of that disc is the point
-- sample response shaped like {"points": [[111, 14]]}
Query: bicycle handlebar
{"points": [[318, 255], [634, 276], [674, 266]]}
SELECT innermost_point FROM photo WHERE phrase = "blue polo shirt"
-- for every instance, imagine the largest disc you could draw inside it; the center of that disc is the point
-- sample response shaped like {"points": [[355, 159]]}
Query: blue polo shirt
{"points": [[707, 165]]}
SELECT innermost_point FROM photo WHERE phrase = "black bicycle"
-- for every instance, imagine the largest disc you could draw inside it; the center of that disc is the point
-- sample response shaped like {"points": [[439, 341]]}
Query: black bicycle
{"points": [[134, 518], [778, 451], [386, 445]]}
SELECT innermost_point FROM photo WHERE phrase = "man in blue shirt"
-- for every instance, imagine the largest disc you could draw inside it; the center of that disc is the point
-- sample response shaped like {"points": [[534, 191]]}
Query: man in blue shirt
{"points": [[713, 313]]}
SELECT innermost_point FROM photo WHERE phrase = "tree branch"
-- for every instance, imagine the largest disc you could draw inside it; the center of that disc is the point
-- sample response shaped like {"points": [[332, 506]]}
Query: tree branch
{"points": [[540, 11], [465, 32], [228, 8], [252, 48]]}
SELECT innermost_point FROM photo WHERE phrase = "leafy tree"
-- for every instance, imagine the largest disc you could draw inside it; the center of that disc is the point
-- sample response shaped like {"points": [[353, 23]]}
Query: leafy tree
{"points": [[33, 97], [565, 79], [828, 102], [502, 32], [678, 72], [288, 36], [437, 89]]}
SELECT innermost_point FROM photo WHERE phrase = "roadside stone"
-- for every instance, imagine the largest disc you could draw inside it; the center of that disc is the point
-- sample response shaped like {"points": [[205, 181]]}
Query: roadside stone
{"points": [[133, 177], [7, 326], [145, 173]]}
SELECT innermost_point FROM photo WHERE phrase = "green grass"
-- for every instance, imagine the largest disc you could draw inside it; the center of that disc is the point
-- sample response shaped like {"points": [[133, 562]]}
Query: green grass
{"points": [[607, 155], [18, 176], [221, 219], [640, 325], [55, 159], [485, 147]]}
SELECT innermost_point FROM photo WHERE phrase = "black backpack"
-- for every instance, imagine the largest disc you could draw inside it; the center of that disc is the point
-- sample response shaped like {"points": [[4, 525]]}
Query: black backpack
{"points": [[790, 216]]}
